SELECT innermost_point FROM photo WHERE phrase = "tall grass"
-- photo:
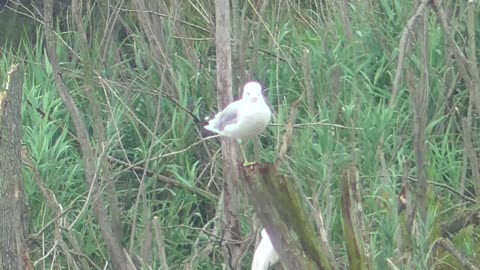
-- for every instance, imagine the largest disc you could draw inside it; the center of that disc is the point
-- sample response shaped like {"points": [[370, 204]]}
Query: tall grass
{"points": [[352, 82]]}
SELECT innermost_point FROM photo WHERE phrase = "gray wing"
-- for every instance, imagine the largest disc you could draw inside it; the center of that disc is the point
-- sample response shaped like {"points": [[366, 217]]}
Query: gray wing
{"points": [[226, 117]]}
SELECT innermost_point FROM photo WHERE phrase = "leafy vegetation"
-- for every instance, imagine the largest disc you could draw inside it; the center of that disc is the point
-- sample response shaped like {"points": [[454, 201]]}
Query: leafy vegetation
{"points": [[148, 96]]}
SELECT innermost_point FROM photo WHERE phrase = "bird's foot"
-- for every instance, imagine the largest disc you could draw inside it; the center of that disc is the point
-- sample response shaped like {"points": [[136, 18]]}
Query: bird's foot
{"points": [[249, 163]]}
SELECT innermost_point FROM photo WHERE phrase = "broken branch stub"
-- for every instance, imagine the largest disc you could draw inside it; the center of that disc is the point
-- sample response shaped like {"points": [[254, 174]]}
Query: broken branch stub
{"points": [[353, 226], [280, 207]]}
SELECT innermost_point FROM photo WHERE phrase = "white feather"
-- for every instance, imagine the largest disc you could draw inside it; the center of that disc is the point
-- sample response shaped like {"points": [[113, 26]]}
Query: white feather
{"points": [[265, 256], [244, 118]]}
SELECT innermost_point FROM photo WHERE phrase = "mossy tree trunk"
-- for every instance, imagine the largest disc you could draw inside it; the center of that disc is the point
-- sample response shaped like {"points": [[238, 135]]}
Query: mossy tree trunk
{"points": [[353, 224], [280, 206]]}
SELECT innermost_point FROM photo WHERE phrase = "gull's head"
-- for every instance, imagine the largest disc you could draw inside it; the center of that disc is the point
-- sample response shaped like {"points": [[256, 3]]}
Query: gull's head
{"points": [[252, 91]]}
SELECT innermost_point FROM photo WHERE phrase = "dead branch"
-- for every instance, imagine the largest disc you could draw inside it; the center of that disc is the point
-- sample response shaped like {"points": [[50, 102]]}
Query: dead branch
{"points": [[404, 47], [58, 220], [460, 219], [216, 221], [167, 180], [287, 137], [231, 189], [460, 58], [99, 128], [280, 208], [471, 153], [114, 247], [448, 245], [160, 239], [157, 41], [307, 71], [353, 221]]}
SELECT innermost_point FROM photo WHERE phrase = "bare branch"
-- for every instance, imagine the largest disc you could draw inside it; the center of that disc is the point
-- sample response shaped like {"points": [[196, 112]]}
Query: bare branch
{"points": [[404, 47], [113, 244], [460, 58], [448, 245]]}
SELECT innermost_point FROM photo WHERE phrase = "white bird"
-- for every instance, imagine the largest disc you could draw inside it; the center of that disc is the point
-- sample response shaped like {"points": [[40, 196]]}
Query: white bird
{"points": [[244, 118], [265, 256]]}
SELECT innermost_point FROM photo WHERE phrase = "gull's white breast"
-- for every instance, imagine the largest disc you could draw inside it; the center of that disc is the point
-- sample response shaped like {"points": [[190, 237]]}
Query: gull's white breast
{"points": [[253, 119]]}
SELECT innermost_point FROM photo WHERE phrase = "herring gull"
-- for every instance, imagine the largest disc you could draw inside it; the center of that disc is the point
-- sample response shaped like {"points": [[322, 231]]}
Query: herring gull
{"points": [[244, 118]]}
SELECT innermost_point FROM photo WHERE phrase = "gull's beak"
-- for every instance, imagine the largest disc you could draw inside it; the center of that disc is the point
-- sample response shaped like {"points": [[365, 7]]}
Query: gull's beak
{"points": [[254, 99]]}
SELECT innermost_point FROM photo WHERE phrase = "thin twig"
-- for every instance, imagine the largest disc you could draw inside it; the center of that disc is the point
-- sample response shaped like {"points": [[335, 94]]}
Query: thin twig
{"points": [[470, 152], [128, 166], [216, 221], [321, 123], [211, 235], [307, 70], [404, 48], [451, 189], [52, 249], [90, 192], [113, 244], [462, 61], [448, 245], [391, 265], [287, 137], [137, 165]]}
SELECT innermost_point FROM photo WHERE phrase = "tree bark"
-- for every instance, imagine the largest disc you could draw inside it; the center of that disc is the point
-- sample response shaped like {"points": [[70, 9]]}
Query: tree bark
{"points": [[280, 207], [13, 250], [420, 111], [353, 224], [231, 251]]}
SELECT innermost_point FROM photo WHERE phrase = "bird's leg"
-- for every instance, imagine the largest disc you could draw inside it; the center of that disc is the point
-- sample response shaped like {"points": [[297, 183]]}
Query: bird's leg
{"points": [[246, 163]]}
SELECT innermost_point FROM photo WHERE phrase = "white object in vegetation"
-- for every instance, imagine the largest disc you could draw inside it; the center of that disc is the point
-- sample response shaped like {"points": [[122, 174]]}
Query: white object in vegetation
{"points": [[244, 118], [265, 256]]}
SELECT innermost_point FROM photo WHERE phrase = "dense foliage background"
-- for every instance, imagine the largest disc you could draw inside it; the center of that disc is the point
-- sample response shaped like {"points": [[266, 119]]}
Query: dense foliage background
{"points": [[142, 93]]}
